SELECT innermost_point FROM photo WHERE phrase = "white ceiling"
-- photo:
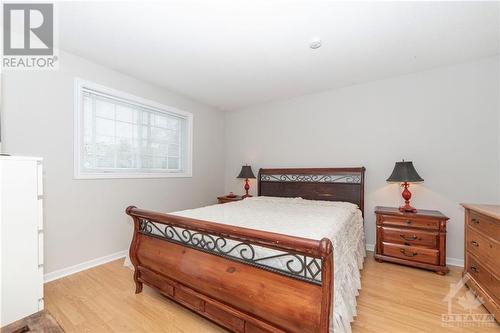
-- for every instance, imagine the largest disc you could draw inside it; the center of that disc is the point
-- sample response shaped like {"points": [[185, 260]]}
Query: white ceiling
{"points": [[232, 54]]}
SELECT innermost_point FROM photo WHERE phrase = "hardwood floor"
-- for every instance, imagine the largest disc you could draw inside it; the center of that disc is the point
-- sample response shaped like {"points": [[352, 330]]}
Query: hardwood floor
{"points": [[393, 299]]}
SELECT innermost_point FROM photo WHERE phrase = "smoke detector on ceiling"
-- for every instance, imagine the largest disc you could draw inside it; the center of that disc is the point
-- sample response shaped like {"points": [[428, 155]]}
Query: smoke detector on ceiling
{"points": [[315, 44]]}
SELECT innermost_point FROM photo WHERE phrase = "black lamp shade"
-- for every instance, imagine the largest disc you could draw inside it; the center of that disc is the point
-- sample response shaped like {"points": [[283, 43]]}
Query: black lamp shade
{"points": [[246, 172], [404, 172]]}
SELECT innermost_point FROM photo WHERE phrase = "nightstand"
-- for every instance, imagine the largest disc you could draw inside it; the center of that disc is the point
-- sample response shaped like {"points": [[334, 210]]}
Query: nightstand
{"points": [[412, 239], [225, 199]]}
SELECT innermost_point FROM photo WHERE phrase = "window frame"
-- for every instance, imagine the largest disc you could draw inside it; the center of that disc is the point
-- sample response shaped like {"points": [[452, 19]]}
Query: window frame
{"points": [[79, 86]]}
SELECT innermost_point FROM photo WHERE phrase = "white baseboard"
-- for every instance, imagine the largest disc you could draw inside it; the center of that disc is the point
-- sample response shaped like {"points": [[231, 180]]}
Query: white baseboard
{"points": [[449, 261], [83, 266], [454, 262]]}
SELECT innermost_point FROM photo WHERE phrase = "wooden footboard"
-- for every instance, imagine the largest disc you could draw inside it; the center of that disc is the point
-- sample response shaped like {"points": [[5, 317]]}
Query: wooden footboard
{"points": [[222, 273]]}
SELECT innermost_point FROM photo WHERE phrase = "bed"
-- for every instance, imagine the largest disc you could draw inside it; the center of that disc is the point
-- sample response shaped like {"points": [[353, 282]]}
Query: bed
{"points": [[264, 264]]}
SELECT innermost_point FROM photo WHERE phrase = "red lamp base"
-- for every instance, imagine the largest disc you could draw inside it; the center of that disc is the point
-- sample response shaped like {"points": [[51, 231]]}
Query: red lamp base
{"points": [[407, 196], [407, 209], [247, 187]]}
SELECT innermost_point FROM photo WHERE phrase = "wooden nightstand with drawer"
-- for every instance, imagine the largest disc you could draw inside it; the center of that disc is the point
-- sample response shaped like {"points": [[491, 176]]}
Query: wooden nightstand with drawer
{"points": [[225, 199], [413, 239]]}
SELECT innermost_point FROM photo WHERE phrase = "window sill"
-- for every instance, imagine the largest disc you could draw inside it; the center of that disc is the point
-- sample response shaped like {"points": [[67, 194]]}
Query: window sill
{"points": [[132, 175]]}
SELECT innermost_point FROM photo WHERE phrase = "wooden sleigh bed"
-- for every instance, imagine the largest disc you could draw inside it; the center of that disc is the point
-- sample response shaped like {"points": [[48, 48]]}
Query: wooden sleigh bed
{"points": [[188, 262]]}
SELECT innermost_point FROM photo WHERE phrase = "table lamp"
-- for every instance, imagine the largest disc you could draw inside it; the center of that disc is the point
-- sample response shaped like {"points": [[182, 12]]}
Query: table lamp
{"points": [[246, 173], [404, 172]]}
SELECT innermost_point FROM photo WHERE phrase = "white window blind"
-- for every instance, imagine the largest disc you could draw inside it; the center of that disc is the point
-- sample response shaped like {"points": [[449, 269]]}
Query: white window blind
{"points": [[126, 136]]}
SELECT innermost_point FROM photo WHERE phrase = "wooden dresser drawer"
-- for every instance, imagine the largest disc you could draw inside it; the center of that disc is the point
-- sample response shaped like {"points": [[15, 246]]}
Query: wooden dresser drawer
{"points": [[482, 253], [224, 318], [420, 254], [410, 222], [189, 298], [484, 248], [410, 237], [484, 224], [484, 277]]}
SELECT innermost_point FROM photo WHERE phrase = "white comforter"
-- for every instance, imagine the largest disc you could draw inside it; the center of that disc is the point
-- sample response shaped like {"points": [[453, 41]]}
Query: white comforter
{"points": [[341, 222]]}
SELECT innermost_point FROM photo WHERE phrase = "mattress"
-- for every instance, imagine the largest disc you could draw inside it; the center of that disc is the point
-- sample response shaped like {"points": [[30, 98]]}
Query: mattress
{"points": [[341, 222]]}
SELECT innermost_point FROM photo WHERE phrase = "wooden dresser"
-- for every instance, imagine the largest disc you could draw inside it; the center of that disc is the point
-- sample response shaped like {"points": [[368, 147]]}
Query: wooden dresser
{"points": [[413, 239], [482, 253]]}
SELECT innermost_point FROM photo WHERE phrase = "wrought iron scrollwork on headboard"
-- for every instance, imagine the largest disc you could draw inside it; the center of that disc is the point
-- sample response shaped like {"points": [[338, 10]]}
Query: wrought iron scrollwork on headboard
{"points": [[330, 184], [306, 178], [301, 267]]}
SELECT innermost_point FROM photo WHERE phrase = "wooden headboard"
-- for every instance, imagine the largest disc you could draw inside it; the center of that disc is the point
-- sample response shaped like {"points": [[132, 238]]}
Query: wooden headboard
{"points": [[330, 184]]}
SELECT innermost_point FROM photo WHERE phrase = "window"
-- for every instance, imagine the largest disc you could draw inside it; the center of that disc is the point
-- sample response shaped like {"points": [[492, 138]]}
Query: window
{"points": [[123, 136]]}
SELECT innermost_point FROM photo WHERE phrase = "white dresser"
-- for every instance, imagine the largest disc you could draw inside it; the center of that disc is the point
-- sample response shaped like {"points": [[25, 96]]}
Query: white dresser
{"points": [[21, 236]]}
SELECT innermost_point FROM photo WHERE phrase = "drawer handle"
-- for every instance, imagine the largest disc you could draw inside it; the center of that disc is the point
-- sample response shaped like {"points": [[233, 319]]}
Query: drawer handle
{"points": [[476, 244], [411, 238], [408, 222], [475, 221], [474, 269], [413, 254]]}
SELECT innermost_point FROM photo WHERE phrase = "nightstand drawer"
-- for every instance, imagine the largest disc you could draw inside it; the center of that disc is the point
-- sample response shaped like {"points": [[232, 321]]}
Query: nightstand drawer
{"points": [[410, 222], [410, 237], [428, 256]]}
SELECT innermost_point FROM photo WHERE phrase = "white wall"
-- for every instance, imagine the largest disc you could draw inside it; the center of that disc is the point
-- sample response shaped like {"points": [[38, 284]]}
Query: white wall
{"points": [[445, 120], [85, 219]]}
